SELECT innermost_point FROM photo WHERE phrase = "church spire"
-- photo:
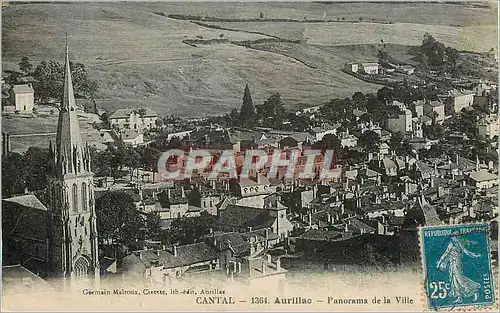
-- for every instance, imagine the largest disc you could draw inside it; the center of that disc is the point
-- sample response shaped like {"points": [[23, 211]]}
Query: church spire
{"points": [[69, 147]]}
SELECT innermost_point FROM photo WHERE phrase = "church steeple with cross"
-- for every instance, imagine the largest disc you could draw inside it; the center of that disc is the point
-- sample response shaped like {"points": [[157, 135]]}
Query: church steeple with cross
{"points": [[74, 244]]}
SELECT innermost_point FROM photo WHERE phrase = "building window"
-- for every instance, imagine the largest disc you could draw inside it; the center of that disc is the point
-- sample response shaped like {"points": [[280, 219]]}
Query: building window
{"points": [[75, 197], [84, 197], [81, 268]]}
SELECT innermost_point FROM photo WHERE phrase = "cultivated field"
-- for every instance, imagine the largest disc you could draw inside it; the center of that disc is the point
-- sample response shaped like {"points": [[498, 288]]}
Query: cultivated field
{"points": [[139, 58], [464, 14]]}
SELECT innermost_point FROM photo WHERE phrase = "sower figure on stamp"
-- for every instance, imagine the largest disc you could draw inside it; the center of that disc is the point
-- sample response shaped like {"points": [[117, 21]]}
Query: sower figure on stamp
{"points": [[461, 285]]}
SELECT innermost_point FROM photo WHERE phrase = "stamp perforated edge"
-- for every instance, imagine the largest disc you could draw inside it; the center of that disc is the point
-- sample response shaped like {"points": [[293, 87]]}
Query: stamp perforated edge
{"points": [[469, 308]]}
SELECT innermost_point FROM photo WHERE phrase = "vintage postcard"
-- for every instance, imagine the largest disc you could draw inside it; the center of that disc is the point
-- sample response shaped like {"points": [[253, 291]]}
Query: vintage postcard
{"points": [[250, 156]]}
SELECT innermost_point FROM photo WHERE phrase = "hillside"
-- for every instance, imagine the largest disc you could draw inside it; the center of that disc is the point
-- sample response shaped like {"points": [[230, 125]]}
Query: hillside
{"points": [[139, 58]]}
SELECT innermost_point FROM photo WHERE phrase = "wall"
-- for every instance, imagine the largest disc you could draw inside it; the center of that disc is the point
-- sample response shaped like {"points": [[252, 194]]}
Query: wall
{"points": [[24, 102]]}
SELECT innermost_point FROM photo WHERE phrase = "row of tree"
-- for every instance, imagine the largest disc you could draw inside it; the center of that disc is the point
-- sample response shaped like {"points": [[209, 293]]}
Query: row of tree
{"points": [[120, 224], [48, 79]]}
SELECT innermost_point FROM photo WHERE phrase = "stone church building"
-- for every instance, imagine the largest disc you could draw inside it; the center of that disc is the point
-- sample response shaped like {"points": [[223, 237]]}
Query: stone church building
{"points": [[60, 239]]}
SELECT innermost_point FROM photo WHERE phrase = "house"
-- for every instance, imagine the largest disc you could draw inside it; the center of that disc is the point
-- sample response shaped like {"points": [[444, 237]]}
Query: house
{"points": [[483, 179], [18, 280], [132, 137], [383, 149], [243, 219], [347, 140], [488, 126], [390, 167], [251, 191], [352, 67], [23, 98], [370, 68], [25, 229], [405, 69], [160, 267], [402, 123], [458, 100], [418, 107], [320, 132], [173, 203], [482, 89], [137, 119], [435, 110]]}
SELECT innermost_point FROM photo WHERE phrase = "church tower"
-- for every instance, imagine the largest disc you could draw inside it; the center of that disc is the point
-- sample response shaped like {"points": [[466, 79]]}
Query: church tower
{"points": [[74, 248]]}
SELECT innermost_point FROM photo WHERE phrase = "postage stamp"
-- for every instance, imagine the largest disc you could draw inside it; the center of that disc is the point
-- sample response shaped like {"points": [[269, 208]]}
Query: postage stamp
{"points": [[457, 267]]}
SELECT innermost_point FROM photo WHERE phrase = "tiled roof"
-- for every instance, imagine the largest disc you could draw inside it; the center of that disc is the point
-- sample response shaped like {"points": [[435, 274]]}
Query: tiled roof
{"points": [[483, 175], [321, 235], [435, 104], [243, 217], [23, 88], [430, 215], [483, 206], [24, 218], [423, 167], [389, 164], [27, 201], [357, 226], [186, 255], [16, 279], [125, 113]]}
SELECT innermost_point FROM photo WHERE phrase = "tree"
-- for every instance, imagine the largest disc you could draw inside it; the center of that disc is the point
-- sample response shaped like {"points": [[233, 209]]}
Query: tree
{"points": [[49, 78], [385, 94], [188, 230], [194, 197], [25, 65], [247, 112], [369, 141], [359, 99], [371, 257], [272, 112], [13, 174], [118, 220], [36, 161], [153, 226], [148, 157], [234, 117], [174, 143]]}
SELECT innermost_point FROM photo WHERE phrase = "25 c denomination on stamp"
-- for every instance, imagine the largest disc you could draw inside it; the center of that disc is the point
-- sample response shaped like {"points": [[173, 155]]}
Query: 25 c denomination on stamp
{"points": [[457, 265]]}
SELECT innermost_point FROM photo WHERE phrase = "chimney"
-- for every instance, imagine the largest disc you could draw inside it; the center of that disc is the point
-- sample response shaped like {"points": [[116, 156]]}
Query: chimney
{"points": [[432, 181], [263, 268], [309, 217], [175, 251], [267, 233], [456, 158], [234, 267], [169, 195], [183, 194], [239, 267], [329, 218], [278, 264], [268, 258], [252, 248], [213, 183]]}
